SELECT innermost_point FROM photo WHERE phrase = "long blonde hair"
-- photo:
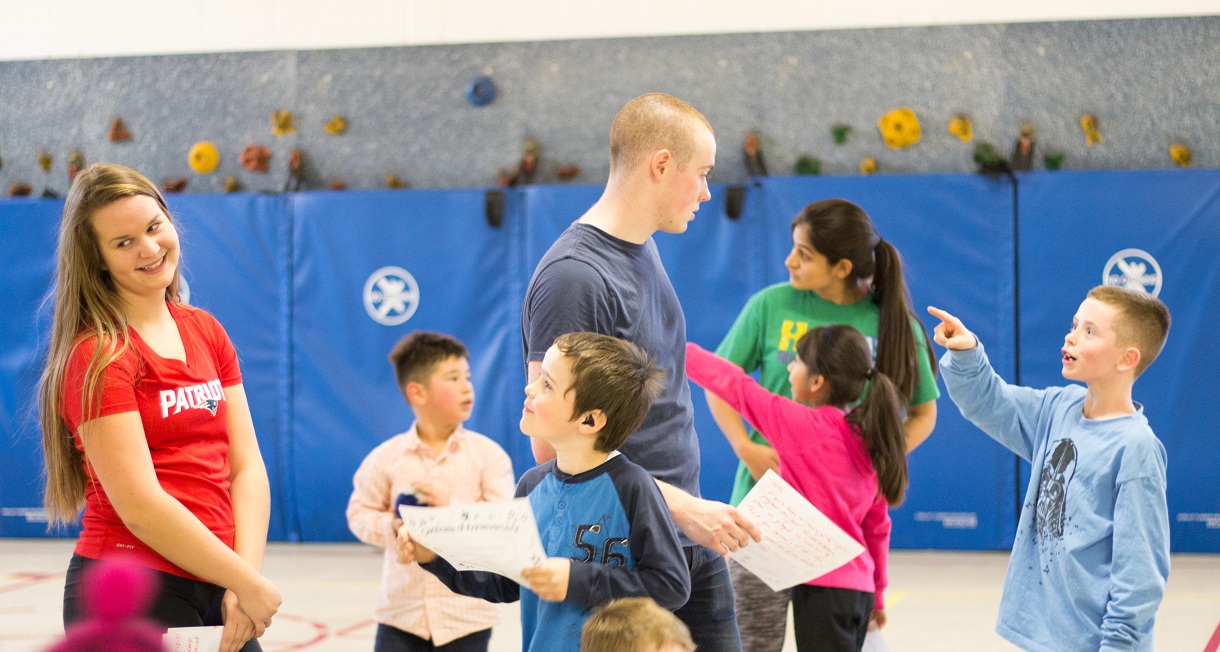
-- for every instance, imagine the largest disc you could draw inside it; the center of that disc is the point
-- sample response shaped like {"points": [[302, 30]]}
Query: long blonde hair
{"points": [[87, 305]]}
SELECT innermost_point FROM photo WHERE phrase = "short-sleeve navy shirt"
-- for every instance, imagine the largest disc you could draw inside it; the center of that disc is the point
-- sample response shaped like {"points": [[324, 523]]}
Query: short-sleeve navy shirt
{"points": [[591, 281]]}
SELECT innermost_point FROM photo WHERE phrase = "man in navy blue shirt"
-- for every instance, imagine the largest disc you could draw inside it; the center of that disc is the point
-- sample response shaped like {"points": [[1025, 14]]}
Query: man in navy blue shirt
{"points": [[603, 275]]}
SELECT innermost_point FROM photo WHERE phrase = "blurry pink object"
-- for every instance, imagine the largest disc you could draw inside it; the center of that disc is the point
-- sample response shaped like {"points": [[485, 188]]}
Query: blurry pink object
{"points": [[116, 595]]}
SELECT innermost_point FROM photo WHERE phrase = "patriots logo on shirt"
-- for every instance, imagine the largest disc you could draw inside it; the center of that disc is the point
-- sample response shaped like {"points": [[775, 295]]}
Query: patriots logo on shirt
{"points": [[209, 404], [205, 396]]}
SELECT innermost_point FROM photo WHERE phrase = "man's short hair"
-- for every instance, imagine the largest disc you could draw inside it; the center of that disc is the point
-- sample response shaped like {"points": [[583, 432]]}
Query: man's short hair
{"points": [[614, 376], [1142, 320], [416, 355], [633, 625], [652, 122]]}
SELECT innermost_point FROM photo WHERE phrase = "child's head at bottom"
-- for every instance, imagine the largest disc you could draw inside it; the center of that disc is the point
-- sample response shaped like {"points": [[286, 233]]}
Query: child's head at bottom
{"points": [[592, 386], [634, 625]]}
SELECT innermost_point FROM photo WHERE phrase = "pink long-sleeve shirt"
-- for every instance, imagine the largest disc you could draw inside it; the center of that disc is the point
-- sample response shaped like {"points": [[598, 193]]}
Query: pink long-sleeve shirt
{"points": [[822, 456]]}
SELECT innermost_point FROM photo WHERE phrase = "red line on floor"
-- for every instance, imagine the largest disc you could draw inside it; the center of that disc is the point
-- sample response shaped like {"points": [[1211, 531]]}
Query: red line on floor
{"points": [[322, 632], [348, 630], [1213, 644], [28, 580]]}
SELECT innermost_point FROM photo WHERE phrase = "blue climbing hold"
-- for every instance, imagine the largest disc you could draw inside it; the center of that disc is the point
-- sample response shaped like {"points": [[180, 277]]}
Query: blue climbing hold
{"points": [[481, 91]]}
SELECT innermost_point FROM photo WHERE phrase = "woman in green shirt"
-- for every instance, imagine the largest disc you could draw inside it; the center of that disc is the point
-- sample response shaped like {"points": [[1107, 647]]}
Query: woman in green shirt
{"points": [[840, 272]]}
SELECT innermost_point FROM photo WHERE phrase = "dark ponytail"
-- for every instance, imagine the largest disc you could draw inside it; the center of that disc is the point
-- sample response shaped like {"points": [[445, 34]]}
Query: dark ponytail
{"points": [[839, 229], [897, 350], [841, 355]]}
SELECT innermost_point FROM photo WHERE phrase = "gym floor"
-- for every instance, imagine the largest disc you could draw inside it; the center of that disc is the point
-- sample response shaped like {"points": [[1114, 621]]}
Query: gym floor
{"points": [[937, 600]]}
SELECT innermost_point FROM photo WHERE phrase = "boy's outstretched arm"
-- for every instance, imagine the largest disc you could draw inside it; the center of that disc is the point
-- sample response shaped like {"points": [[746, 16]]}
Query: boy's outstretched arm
{"points": [[488, 586], [951, 333], [1008, 413], [410, 551]]}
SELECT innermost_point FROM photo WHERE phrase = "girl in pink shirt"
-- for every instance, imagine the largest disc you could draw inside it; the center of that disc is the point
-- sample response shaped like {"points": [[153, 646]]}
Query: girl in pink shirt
{"points": [[843, 450]]}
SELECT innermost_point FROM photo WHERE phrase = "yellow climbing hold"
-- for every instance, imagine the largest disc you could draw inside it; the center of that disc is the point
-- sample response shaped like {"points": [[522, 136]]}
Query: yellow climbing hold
{"points": [[868, 165], [1092, 132], [281, 123], [203, 157], [1180, 154], [960, 126], [336, 126], [899, 128]]}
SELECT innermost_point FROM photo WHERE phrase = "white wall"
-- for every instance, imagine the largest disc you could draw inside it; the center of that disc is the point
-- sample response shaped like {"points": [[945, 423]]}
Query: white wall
{"points": [[48, 29]]}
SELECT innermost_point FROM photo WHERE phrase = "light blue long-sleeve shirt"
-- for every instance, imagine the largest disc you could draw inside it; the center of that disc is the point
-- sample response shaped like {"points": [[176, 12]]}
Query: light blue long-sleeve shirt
{"points": [[1091, 555]]}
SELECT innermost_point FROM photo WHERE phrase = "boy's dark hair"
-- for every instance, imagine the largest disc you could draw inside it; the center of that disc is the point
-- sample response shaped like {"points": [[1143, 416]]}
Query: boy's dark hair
{"points": [[614, 376], [1142, 320], [417, 354], [633, 625], [841, 355]]}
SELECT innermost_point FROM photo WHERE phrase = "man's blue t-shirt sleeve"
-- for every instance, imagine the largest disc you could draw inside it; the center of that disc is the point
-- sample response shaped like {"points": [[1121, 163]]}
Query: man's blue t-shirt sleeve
{"points": [[568, 296]]}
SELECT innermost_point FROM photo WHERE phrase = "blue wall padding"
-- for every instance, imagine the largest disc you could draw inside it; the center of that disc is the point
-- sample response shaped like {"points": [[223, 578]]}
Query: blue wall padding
{"points": [[1071, 225], [27, 259], [955, 237], [286, 276], [345, 400], [236, 264]]}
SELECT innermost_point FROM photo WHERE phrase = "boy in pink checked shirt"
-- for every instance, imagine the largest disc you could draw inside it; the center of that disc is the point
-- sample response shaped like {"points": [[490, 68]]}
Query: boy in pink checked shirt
{"points": [[439, 463]]}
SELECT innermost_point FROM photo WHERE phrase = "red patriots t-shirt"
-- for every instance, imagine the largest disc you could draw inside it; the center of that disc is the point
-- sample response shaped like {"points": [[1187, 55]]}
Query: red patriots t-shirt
{"points": [[183, 409]]}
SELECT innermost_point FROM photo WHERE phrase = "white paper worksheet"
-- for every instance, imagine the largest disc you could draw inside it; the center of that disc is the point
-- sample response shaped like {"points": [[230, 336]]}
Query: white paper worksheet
{"points": [[192, 639], [799, 542], [500, 537]]}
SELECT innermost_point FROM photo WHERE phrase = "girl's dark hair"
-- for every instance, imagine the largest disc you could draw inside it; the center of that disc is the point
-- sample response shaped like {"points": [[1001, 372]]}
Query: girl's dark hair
{"points": [[839, 229], [841, 355]]}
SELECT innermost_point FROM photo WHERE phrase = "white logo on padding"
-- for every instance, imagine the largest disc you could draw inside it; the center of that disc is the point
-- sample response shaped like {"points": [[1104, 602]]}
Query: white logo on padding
{"points": [[184, 290], [391, 296], [1134, 269]]}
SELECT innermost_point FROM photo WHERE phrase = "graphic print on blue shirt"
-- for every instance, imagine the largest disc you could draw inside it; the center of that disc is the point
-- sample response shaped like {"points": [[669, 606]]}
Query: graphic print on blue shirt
{"points": [[1052, 489], [590, 526], [598, 531], [605, 554]]}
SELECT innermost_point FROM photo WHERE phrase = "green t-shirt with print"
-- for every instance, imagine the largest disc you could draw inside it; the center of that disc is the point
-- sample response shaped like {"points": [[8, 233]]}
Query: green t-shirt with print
{"points": [[765, 334]]}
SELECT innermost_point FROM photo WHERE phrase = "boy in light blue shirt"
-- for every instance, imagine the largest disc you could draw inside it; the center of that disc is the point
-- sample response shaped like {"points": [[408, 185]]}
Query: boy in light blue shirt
{"points": [[1091, 555]]}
